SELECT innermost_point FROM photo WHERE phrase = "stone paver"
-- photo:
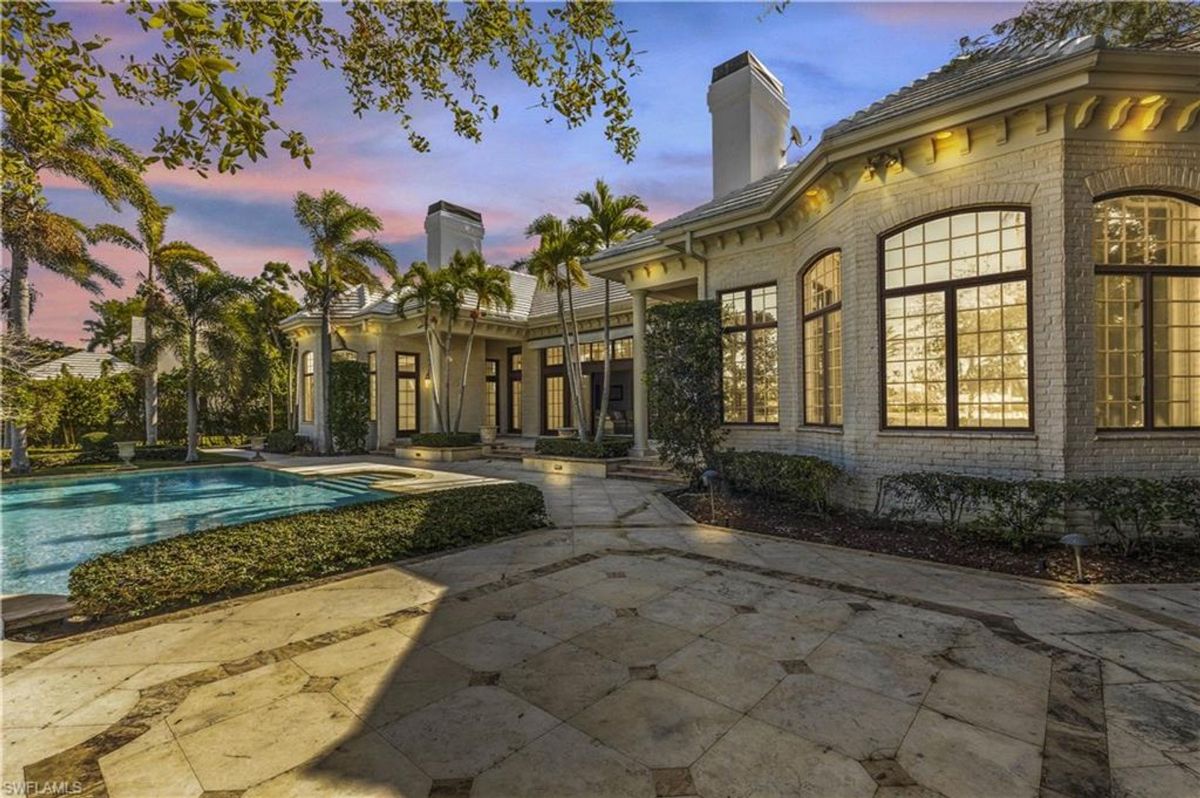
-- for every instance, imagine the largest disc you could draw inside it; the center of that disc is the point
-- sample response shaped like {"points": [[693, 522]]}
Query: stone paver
{"points": [[628, 652]]}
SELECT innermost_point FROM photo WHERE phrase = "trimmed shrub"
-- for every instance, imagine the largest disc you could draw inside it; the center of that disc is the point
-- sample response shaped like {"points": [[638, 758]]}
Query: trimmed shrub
{"points": [[160, 452], [1127, 512], [281, 441], [98, 443], [949, 497], [229, 561], [349, 405], [1183, 502], [683, 381], [1020, 511], [788, 477], [445, 440], [573, 447]]}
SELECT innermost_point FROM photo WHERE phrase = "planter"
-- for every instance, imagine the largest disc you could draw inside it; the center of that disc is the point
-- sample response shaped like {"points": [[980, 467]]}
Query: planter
{"points": [[487, 435], [431, 454], [567, 432], [257, 442], [575, 466], [126, 450]]}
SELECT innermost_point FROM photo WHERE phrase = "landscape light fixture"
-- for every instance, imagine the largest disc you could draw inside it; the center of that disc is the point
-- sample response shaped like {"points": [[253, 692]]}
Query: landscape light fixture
{"points": [[1076, 541], [710, 478]]}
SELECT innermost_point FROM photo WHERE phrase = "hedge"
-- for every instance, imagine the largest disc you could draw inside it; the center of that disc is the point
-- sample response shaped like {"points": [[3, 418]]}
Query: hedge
{"points": [[229, 561], [445, 440], [573, 447], [60, 458], [281, 441], [788, 477]]}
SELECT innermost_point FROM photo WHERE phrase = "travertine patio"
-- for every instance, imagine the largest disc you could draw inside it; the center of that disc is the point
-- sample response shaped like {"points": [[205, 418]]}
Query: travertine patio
{"points": [[627, 652]]}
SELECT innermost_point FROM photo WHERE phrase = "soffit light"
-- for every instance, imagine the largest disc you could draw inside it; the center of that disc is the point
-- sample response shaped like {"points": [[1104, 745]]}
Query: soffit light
{"points": [[812, 192], [942, 135]]}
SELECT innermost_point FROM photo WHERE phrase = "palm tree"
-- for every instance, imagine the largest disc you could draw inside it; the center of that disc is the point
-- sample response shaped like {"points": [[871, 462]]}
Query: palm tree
{"points": [[160, 256], [198, 300], [492, 287], [343, 256], [433, 290], [34, 234], [557, 264], [609, 221]]}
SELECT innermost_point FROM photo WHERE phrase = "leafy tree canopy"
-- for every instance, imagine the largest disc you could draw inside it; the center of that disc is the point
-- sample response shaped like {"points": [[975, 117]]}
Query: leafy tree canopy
{"points": [[577, 56], [1154, 23]]}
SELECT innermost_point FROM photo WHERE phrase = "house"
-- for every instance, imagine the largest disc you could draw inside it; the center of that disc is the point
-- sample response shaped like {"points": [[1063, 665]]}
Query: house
{"points": [[516, 380], [88, 365], [993, 270]]}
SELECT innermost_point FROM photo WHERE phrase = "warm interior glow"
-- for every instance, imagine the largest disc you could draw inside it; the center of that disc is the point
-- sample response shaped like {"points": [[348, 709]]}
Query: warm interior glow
{"points": [[942, 135], [1150, 100], [812, 192]]}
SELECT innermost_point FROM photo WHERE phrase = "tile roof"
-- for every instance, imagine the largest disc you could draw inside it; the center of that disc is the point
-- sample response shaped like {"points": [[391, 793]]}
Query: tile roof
{"points": [[529, 301], [960, 77], [964, 75], [88, 365]]}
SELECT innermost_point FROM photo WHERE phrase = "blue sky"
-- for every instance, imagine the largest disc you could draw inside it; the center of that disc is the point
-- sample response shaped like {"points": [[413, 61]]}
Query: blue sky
{"points": [[833, 58]]}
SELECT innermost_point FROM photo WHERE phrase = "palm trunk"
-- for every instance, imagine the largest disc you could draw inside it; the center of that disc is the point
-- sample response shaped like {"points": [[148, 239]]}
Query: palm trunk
{"points": [[446, 368], [270, 401], [150, 402], [600, 419], [434, 344], [193, 418], [324, 442], [562, 323], [18, 328], [575, 364], [462, 388]]}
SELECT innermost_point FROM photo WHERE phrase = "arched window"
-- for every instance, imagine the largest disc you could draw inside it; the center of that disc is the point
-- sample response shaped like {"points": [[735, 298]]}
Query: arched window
{"points": [[955, 332], [1147, 254], [821, 299]]}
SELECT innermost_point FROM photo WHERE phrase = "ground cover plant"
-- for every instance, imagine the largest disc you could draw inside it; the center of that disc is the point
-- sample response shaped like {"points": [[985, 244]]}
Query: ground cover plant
{"points": [[228, 561]]}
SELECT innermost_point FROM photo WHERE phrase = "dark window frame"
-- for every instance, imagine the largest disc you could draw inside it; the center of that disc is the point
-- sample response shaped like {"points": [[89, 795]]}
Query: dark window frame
{"points": [[373, 386], [823, 314], [515, 414], [1147, 273], [415, 375], [748, 328], [493, 379], [559, 370], [949, 289]]}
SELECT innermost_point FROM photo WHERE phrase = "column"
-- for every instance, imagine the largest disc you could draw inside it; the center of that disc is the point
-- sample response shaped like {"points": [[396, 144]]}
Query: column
{"points": [[641, 412]]}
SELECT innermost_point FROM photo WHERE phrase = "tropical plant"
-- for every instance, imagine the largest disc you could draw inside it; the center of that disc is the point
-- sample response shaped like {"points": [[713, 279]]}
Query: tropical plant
{"points": [[110, 329], [343, 254], [161, 255], [437, 296], [492, 288], [349, 408], [609, 220], [557, 265], [198, 301]]}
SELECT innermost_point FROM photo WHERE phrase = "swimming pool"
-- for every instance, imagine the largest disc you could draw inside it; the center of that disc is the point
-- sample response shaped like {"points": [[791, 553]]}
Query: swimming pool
{"points": [[50, 526]]}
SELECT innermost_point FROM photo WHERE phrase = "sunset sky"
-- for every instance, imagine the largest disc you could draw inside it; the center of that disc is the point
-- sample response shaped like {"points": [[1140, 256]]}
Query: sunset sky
{"points": [[832, 59]]}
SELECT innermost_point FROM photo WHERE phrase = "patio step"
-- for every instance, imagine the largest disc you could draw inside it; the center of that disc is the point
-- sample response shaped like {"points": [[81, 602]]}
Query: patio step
{"points": [[648, 469]]}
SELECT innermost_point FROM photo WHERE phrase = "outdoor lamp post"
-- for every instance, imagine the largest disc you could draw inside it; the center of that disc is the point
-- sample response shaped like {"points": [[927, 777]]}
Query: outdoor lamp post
{"points": [[1076, 541], [710, 478]]}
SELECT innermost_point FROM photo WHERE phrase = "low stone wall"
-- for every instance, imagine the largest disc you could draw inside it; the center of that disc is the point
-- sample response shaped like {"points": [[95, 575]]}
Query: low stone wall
{"points": [[576, 466], [429, 454]]}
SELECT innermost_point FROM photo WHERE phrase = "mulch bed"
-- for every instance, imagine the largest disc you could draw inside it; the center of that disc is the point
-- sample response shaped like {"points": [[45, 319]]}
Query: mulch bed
{"points": [[1174, 560]]}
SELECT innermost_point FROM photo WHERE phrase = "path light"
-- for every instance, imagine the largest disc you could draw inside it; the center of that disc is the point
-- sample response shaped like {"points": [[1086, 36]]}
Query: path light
{"points": [[710, 478], [1076, 541]]}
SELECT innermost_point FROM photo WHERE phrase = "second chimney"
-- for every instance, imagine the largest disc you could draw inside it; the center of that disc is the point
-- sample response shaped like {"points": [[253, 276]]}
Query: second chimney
{"points": [[448, 228], [749, 123]]}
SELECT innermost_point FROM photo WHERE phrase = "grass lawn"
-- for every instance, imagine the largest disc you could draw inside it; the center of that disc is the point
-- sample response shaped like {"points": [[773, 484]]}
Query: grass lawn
{"points": [[93, 469]]}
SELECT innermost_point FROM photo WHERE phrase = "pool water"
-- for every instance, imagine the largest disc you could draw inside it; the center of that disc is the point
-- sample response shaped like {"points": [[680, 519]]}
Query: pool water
{"points": [[50, 526]]}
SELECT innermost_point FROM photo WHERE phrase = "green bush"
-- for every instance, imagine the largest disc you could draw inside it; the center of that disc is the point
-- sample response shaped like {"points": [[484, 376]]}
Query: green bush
{"points": [[573, 447], [1126, 512], [349, 405], [1020, 511], [281, 441], [229, 561], [683, 379], [445, 440], [949, 497], [1183, 502], [98, 443], [788, 477]]}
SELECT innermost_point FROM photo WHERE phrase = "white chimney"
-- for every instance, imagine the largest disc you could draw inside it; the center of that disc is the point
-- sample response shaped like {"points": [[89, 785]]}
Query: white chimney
{"points": [[448, 228], [749, 123]]}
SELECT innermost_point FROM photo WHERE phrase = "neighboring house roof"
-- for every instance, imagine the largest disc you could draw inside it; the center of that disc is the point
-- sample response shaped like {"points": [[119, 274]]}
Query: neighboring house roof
{"points": [[88, 365], [961, 77], [529, 302]]}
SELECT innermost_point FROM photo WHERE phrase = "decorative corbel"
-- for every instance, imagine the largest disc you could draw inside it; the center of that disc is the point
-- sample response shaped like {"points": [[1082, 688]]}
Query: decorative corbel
{"points": [[1085, 111], [1187, 116], [1120, 113], [1154, 114]]}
